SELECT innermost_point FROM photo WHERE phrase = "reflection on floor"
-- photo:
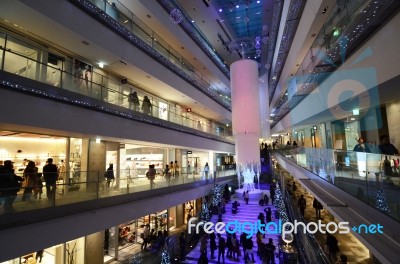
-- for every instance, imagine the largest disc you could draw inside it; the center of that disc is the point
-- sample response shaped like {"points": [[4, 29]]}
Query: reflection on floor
{"points": [[246, 213], [348, 243]]}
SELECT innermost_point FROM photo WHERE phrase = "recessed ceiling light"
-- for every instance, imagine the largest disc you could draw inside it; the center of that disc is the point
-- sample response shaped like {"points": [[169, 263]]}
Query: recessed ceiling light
{"points": [[220, 10]]}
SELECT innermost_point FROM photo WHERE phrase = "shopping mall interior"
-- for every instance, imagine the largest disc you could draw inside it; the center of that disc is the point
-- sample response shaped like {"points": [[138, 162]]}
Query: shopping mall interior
{"points": [[124, 121]]}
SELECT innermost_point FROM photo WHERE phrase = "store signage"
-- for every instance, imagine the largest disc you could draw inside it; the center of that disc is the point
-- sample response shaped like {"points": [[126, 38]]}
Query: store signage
{"points": [[189, 152]]}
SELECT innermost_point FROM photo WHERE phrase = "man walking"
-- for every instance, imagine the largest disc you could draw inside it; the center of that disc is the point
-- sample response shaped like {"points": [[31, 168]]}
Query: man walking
{"points": [[302, 204], [221, 248], [50, 174]]}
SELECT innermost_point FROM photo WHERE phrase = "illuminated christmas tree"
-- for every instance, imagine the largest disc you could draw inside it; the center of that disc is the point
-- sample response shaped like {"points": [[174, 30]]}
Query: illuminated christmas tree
{"points": [[381, 202], [205, 213], [280, 205], [165, 257], [137, 259], [217, 197]]}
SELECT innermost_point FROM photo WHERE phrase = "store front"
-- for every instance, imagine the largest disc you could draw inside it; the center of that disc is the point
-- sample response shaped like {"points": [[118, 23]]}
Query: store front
{"points": [[195, 161], [127, 238], [70, 252]]}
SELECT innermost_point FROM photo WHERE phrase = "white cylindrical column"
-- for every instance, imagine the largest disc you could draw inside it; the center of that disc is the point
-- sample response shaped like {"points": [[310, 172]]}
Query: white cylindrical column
{"points": [[246, 111]]}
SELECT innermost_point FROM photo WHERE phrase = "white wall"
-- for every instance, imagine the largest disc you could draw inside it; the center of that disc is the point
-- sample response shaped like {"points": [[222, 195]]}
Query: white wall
{"points": [[393, 114]]}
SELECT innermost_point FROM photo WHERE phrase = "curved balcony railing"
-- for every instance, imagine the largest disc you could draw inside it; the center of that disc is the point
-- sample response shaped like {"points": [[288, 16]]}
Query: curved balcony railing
{"points": [[371, 178], [349, 24], [195, 33], [34, 193], [102, 88], [139, 34]]}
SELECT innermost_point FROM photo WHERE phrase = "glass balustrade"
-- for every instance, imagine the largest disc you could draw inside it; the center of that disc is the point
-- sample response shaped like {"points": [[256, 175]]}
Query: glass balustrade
{"points": [[346, 25], [35, 193], [99, 87], [371, 178], [133, 24]]}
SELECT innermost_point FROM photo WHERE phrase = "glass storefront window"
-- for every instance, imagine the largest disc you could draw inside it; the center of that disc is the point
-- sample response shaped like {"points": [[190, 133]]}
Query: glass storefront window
{"points": [[126, 235], [2, 44], [109, 244], [75, 251], [189, 210], [75, 164]]}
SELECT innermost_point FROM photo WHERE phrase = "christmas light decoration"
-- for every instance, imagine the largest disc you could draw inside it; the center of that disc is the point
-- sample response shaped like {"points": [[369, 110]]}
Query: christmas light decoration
{"points": [[165, 257], [217, 197], [205, 212], [381, 202]]}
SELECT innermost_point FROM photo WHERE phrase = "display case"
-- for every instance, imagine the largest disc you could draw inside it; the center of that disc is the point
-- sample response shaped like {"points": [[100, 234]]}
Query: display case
{"points": [[142, 162]]}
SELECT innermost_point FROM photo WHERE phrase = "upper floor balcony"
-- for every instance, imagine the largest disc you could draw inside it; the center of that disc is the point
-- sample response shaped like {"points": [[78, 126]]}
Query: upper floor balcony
{"points": [[22, 59], [356, 187]]}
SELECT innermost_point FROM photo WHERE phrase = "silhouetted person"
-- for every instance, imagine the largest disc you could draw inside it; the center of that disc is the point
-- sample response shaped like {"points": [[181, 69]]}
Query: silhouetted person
{"points": [[386, 147], [182, 244], [110, 174], [10, 185], [134, 103], [302, 204], [246, 197], [146, 105], [333, 248], [221, 248], [318, 207], [213, 244], [270, 248], [50, 174], [39, 255]]}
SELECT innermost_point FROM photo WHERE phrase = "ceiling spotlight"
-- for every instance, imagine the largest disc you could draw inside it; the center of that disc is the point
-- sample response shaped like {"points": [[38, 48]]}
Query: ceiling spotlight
{"points": [[258, 1], [220, 10], [237, 6]]}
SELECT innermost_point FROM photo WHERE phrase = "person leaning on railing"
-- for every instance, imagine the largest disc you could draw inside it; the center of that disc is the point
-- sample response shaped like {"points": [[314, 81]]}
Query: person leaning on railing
{"points": [[10, 185], [386, 147]]}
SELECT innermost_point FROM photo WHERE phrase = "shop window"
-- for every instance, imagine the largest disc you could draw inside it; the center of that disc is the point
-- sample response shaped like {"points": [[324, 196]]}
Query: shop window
{"points": [[75, 251], [126, 235], [75, 164], [55, 66]]}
